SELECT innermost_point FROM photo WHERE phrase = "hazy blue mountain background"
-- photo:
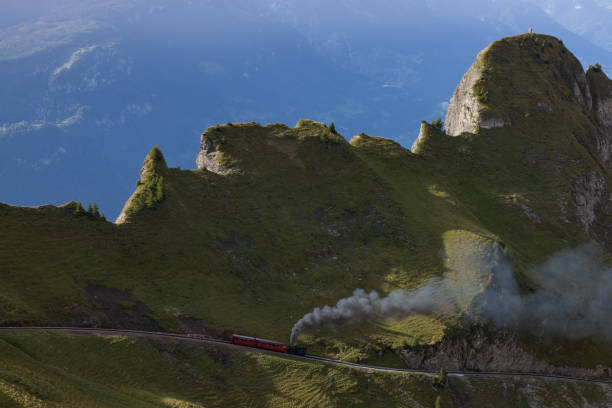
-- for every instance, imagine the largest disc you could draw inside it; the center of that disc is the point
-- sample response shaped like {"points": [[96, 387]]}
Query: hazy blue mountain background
{"points": [[88, 87]]}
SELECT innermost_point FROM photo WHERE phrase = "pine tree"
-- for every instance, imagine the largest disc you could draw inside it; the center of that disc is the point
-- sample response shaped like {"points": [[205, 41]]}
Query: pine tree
{"points": [[89, 209], [78, 208], [332, 128], [95, 209]]}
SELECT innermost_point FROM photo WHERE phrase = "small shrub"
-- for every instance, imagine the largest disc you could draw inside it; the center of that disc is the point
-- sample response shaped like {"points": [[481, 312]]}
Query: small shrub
{"points": [[437, 123], [443, 376], [596, 67], [94, 210], [480, 93], [332, 128], [326, 136], [522, 402], [151, 193], [439, 381]]}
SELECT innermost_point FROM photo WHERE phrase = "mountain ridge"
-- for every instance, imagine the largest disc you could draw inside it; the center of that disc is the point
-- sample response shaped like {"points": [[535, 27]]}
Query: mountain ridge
{"points": [[277, 221]]}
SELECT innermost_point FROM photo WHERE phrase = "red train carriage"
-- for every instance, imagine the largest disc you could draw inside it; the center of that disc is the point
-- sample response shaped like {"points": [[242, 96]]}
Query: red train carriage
{"points": [[267, 344], [244, 340]]}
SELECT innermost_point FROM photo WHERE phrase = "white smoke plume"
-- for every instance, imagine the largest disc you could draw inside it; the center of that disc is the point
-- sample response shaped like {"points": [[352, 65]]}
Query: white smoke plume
{"points": [[574, 298], [369, 306]]}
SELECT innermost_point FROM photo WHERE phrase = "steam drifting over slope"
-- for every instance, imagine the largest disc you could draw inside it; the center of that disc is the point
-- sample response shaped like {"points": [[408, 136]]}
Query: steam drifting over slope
{"points": [[574, 298]]}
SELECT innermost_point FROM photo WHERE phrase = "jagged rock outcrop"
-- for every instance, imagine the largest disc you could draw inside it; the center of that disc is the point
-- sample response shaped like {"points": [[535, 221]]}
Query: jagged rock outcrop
{"points": [[600, 89], [209, 157], [484, 350], [590, 196], [462, 114], [581, 90], [420, 139], [534, 82], [464, 109]]}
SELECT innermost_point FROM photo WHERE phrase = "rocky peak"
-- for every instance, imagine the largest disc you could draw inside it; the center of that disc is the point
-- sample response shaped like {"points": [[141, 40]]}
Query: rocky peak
{"points": [[150, 184], [463, 114], [512, 79], [210, 157], [153, 163]]}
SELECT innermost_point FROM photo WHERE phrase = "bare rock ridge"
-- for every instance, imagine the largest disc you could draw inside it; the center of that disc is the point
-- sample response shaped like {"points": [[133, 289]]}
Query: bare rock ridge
{"points": [[532, 82], [464, 114], [469, 109], [209, 157], [479, 349], [600, 88]]}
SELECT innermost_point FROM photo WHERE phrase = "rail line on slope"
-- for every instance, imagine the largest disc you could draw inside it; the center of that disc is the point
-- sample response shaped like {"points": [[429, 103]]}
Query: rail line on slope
{"points": [[213, 340]]}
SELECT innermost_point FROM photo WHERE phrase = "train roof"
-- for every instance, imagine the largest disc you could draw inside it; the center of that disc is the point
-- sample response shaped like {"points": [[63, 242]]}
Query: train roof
{"points": [[241, 336]]}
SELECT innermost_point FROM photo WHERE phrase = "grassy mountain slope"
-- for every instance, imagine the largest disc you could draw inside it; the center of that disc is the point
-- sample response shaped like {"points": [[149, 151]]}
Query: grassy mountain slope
{"points": [[60, 370], [302, 217]]}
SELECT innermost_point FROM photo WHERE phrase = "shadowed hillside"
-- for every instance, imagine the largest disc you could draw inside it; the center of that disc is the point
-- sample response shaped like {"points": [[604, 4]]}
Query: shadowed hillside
{"points": [[279, 220]]}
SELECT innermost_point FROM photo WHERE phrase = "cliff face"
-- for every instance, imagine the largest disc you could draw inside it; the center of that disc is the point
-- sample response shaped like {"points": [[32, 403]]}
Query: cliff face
{"points": [[533, 86], [463, 114], [512, 78], [479, 349], [210, 157], [601, 93]]}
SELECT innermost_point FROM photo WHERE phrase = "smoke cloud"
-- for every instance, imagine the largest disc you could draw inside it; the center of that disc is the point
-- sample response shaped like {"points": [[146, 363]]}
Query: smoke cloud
{"points": [[369, 306], [574, 298]]}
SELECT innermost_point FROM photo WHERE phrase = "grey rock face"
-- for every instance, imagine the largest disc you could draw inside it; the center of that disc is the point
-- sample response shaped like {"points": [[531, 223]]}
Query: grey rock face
{"points": [[589, 193], [463, 114], [482, 351], [602, 110], [209, 158], [582, 91], [419, 140], [491, 123]]}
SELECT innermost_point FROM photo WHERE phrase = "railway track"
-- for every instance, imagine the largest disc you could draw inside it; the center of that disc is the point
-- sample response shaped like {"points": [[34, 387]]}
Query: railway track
{"points": [[213, 340]]}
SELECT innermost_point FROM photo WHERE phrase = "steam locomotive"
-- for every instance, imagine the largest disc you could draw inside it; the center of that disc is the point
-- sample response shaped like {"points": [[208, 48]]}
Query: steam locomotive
{"points": [[267, 344]]}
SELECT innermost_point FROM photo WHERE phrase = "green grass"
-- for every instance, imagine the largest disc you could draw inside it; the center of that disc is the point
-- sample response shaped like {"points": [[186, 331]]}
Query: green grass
{"points": [[308, 217], [41, 369], [59, 370]]}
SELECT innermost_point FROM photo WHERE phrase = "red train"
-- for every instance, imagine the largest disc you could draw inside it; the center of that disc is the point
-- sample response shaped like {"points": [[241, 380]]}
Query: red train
{"points": [[268, 344]]}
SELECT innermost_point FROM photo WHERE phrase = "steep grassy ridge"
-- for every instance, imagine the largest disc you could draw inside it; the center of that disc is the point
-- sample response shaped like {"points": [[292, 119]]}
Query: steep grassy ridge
{"points": [[305, 222], [301, 218]]}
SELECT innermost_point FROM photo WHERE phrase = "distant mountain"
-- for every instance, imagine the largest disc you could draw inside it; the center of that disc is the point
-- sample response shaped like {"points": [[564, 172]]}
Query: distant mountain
{"points": [[588, 18]]}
